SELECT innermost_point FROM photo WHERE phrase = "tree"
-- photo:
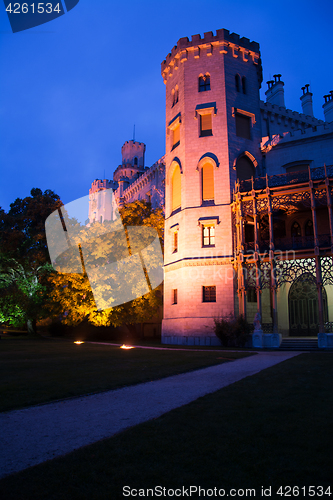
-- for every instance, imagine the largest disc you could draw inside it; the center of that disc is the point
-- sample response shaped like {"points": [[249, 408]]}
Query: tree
{"points": [[24, 261], [72, 295]]}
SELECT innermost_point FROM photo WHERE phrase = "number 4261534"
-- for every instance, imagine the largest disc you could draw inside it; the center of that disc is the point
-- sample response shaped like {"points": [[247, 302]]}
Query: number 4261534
{"points": [[38, 8]]}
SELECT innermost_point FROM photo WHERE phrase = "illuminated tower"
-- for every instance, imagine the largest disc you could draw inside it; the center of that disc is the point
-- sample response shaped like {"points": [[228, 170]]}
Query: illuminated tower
{"points": [[213, 134]]}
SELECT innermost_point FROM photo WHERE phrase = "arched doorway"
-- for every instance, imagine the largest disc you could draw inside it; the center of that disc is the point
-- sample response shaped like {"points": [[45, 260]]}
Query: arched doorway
{"points": [[303, 307]]}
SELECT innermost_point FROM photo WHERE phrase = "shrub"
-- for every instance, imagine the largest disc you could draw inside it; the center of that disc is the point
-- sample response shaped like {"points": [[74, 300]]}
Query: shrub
{"points": [[232, 332]]}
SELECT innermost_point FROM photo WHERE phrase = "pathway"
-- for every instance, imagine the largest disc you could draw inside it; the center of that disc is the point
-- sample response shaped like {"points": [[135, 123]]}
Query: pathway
{"points": [[39, 433]]}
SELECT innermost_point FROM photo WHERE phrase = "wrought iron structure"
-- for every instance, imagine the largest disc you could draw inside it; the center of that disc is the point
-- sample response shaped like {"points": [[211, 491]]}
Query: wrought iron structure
{"points": [[266, 256]]}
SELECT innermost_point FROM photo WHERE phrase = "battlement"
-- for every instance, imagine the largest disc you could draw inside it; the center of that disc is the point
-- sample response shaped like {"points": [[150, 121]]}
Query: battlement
{"points": [[309, 133], [283, 112], [222, 41], [100, 184]]}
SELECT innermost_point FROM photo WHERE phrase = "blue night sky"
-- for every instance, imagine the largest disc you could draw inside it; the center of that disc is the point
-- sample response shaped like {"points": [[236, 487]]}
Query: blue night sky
{"points": [[72, 89]]}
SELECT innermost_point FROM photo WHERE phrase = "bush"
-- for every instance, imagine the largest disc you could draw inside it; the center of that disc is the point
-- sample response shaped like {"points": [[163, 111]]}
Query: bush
{"points": [[232, 332]]}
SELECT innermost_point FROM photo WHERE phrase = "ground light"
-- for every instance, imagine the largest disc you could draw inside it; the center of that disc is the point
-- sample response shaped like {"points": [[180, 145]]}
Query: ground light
{"points": [[124, 346], [78, 342]]}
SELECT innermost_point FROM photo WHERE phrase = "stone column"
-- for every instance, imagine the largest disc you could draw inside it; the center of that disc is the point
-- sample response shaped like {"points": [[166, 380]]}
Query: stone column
{"points": [[271, 260]]}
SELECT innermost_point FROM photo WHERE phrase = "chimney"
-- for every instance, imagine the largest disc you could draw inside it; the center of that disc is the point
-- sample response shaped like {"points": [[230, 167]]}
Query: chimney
{"points": [[306, 100], [275, 92], [328, 107]]}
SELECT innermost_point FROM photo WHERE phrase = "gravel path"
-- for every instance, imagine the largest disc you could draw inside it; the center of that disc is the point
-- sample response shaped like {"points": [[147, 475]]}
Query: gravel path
{"points": [[34, 435]]}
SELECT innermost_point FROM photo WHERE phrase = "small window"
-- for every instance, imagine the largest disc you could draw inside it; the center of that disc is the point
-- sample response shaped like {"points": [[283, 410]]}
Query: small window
{"points": [[176, 136], [296, 230], [206, 125], [174, 94], [208, 236], [209, 293], [244, 84], [101, 219], [204, 83], [174, 296], [309, 228], [175, 242], [243, 126], [237, 82], [135, 161], [251, 295]]}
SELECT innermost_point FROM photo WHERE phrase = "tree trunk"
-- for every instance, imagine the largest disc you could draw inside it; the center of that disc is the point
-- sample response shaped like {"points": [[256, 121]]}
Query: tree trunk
{"points": [[31, 326]]}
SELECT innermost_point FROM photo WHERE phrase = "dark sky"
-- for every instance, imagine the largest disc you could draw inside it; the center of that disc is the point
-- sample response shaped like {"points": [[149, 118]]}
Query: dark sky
{"points": [[72, 89]]}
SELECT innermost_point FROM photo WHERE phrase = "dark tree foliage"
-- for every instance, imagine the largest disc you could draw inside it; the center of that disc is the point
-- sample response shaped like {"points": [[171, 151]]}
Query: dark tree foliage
{"points": [[24, 260]]}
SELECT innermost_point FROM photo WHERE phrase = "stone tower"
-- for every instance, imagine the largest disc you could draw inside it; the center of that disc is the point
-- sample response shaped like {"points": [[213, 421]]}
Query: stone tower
{"points": [[213, 134]]}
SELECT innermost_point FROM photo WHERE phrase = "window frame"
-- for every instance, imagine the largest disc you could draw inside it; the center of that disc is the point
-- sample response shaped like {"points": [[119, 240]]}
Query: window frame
{"points": [[211, 237], [202, 87], [211, 289]]}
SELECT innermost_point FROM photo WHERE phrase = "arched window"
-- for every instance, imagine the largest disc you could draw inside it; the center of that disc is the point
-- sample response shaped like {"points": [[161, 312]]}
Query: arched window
{"points": [[207, 176], [244, 84], [296, 230], [309, 228], [135, 161], [237, 82], [204, 83], [176, 189], [244, 168]]}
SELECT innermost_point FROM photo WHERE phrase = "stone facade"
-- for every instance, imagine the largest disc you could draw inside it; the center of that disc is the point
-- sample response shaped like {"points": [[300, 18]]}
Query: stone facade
{"points": [[218, 133]]}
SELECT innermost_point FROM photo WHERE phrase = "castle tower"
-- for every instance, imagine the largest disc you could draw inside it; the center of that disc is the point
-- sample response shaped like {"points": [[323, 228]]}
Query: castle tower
{"points": [[213, 133]]}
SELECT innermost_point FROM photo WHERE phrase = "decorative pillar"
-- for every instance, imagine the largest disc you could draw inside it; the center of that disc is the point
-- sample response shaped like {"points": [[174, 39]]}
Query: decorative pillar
{"points": [[271, 259], [317, 257], [241, 264], [256, 251], [329, 206]]}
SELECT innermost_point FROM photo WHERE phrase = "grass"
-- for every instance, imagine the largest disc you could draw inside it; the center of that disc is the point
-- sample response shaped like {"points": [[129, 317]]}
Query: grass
{"points": [[36, 371], [270, 429]]}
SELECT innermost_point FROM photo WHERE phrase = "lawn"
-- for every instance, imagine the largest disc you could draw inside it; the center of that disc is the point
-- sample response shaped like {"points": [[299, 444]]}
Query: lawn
{"points": [[270, 429], [38, 371]]}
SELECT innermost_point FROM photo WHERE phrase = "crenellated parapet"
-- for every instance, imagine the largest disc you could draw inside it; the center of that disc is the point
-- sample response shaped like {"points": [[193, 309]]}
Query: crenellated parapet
{"points": [[309, 133], [223, 42]]}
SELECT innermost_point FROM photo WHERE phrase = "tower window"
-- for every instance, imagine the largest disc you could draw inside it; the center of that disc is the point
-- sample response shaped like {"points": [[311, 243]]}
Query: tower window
{"points": [[176, 189], [135, 161], [209, 293], [237, 82], [244, 84], [176, 136], [206, 125], [204, 83], [174, 296], [208, 236], [174, 95], [175, 242], [207, 173], [243, 126]]}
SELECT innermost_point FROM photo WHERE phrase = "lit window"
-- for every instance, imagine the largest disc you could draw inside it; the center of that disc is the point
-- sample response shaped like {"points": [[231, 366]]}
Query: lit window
{"points": [[175, 241], [204, 83], [207, 182], [208, 236], [176, 189], [174, 296], [209, 293], [206, 125], [176, 136]]}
